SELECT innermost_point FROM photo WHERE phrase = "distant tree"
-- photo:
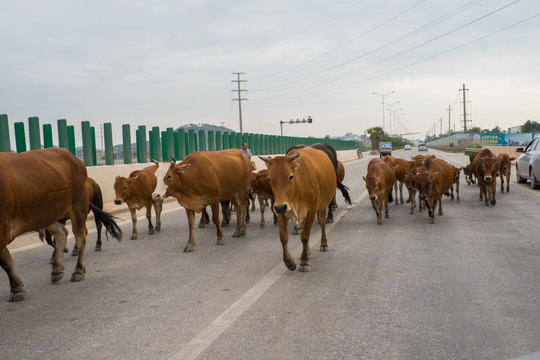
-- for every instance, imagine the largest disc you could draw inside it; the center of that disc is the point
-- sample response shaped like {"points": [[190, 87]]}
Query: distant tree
{"points": [[530, 127], [474, 130], [327, 136], [376, 134], [496, 130]]}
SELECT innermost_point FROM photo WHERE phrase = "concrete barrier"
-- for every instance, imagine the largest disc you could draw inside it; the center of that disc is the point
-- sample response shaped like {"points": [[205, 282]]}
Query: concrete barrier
{"points": [[105, 175]]}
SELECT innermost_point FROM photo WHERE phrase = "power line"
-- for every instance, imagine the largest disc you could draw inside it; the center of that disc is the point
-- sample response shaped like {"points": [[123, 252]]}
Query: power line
{"points": [[239, 99]]}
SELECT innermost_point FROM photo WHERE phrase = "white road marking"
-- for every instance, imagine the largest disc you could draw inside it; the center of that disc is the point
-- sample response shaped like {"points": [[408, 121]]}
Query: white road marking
{"points": [[210, 333]]}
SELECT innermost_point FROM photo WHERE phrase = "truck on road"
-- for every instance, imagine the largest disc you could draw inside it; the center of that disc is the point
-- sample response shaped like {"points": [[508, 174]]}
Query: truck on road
{"points": [[385, 148]]}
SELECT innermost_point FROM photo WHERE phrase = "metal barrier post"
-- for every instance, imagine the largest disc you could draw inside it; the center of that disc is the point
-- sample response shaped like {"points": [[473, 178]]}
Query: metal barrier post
{"points": [[126, 142], [35, 135], [109, 147], [5, 142], [87, 143], [62, 134], [20, 137], [47, 136]]}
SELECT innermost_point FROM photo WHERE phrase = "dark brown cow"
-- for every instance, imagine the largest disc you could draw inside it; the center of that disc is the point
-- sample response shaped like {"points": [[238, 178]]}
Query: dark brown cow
{"points": [[303, 184], [137, 191], [505, 162], [340, 172], [206, 178], [469, 176], [485, 167], [411, 182], [261, 188], [434, 179], [39, 187], [457, 173], [379, 180], [95, 198]]}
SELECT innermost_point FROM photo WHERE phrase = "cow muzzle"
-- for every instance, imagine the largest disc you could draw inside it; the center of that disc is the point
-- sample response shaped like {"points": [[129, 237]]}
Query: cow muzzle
{"points": [[422, 197], [281, 208], [118, 202], [373, 198], [487, 178]]}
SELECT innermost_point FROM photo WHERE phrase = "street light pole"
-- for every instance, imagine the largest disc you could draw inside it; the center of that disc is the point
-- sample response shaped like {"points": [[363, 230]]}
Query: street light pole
{"points": [[383, 110], [390, 113]]}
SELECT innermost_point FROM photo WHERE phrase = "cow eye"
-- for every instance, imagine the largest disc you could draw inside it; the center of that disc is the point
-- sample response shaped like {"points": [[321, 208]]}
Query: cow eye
{"points": [[268, 180], [125, 187], [291, 177]]}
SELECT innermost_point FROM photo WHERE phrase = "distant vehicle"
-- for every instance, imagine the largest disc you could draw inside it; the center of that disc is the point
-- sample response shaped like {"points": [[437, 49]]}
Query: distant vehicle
{"points": [[385, 148], [422, 147], [407, 147], [528, 164]]}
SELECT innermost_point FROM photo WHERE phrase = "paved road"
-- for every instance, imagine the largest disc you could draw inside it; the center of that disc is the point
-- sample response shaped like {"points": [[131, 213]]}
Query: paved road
{"points": [[467, 287]]}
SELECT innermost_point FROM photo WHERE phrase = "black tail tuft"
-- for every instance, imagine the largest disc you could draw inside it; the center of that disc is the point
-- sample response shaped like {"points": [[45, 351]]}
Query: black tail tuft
{"points": [[390, 197], [108, 220], [344, 192]]}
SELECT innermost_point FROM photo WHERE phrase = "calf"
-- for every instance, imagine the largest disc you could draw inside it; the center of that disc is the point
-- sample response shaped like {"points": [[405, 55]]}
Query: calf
{"points": [[379, 182], [505, 162], [457, 173], [260, 187], [485, 167], [137, 191], [469, 176]]}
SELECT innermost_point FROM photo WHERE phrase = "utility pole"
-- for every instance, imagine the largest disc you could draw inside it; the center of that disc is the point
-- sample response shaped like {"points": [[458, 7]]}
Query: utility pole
{"points": [[449, 110], [464, 109], [441, 126], [240, 99]]}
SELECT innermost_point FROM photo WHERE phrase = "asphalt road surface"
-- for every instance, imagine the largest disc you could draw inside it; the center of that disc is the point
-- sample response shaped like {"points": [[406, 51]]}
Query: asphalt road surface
{"points": [[466, 287]]}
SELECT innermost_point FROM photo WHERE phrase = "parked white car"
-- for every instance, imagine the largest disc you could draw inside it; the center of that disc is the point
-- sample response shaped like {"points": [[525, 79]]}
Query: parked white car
{"points": [[528, 164]]}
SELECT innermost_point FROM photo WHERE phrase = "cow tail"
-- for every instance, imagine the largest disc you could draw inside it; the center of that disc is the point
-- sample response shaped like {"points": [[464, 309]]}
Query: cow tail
{"points": [[390, 197], [344, 192], [107, 220]]}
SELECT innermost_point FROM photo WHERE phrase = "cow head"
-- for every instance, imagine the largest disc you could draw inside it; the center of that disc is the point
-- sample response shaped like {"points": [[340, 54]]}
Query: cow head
{"points": [[424, 180], [489, 168], [411, 180], [281, 177], [122, 188], [373, 186], [172, 177]]}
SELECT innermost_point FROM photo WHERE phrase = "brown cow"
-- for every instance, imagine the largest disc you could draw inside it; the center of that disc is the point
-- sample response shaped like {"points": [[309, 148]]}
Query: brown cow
{"points": [[434, 179], [38, 188], [485, 167], [379, 182], [303, 184], [469, 176], [411, 182], [137, 191], [401, 167], [505, 162], [261, 188], [206, 178], [419, 159], [457, 173]]}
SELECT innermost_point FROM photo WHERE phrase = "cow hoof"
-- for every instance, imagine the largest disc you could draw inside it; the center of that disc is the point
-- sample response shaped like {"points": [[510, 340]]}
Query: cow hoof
{"points": [[402, 202], [431, 221], [97, 248], [292, 267], [133, 236], [17, 296], [65, 250], [379, 222], [75, 277], [56, 277], [201, 225], [220, 242], [304, 268], [387, 216], [74, 253], [157, 228], [412, 212], [261, 226], [247, 221], [324, 248], [329, 221], [150, 232], [189, 248]]}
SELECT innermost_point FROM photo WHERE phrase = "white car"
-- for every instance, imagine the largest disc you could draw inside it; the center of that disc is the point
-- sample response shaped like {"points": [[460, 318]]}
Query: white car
{"points": [[407, 147], [528, 164], [422, 147]]}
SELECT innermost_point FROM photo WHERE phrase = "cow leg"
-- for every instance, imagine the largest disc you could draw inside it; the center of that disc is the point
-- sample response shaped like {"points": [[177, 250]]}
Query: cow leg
{"points": [[412, 200], [284, 238], [214, 206], [17, 292], [60, 235], [205, 219], [304, 236], [396, 191], [400, 193], [99, 226], [158, 208], [386, 214], [149, 218], [324, 240], [134, 233], [452, 192], [502, 182], [374, 204], [262, 207], [492, 191], [78, 226], [190, 246], [430, 204], [457, 190], [242, 204], [225, 214], [330, 217], [440, 205]]}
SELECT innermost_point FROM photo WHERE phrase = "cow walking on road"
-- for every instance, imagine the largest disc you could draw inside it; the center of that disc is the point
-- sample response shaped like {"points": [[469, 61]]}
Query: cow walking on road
{"points": [[303, 184], [379, 180], [434, 180], [485, 167], [39, 187], [505, 162], [206, 178]]}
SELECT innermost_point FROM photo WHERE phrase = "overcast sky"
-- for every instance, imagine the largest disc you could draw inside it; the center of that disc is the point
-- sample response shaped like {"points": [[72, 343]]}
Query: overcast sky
{"points": [[170, 63]]}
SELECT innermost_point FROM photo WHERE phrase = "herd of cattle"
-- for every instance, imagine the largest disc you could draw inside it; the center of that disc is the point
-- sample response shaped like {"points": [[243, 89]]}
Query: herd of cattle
{"points": [[44, 188]]}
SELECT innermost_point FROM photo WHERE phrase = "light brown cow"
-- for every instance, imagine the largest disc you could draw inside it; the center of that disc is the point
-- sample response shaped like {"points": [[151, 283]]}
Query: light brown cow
{"points": [[434, 179], [485, 167], [379, 180], [39, 187], [505, 162], [401, 167], [260, 187], [457, 173], [206, 178], [419, 159], [137, 191], [303, 184]]}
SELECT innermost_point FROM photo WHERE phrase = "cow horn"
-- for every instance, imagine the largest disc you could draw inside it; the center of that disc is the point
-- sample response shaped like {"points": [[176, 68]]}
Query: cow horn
{"points": [[173, 160], [265, 159]]}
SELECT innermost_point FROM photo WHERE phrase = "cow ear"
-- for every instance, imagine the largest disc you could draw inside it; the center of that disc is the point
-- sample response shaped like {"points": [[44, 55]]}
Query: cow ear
{"points": [[182, 168], [512, 158], [435, 173], [133, 179], [294, 157], [363, 177]]}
